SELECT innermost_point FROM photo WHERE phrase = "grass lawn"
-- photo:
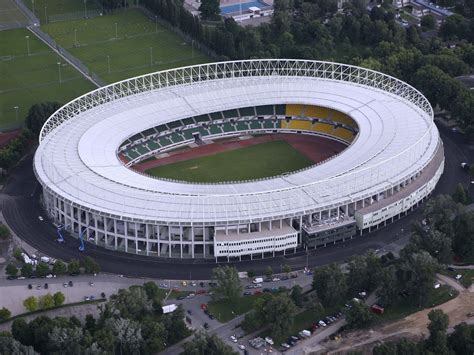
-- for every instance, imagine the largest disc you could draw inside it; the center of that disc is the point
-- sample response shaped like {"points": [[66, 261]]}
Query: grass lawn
{"points": [[59, 7], [10, 13], [254, 162], [303, 320], [467, 276], [95, 41], [26, 80], [223, 309], [404, 308]]}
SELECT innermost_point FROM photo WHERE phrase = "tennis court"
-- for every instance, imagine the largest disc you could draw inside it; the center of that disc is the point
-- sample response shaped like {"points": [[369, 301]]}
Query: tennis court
{"points": [[244, 6]]}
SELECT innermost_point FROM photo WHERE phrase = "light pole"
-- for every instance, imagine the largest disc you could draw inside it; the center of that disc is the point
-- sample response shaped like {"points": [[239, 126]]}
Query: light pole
{"points": [[16, 113], [45, 15], [156, 24], [116, 30], [33, 5], [108, 64], [192, 49], [85, 8], [151, 56], [59, 72], [28, 45], [75, 37]]}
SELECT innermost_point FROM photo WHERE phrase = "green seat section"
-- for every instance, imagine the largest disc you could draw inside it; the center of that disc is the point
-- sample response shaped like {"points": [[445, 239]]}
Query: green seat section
{"points": [[247, 111], [142, 149], [280, 110], [152, 145], [202, 118], [242, 126], [264, 110], [216, 116], [187, 134], [269, 124], [231, 113], [215, 129], [164, 141], [254, 124], [228, 127], [188, 121]]}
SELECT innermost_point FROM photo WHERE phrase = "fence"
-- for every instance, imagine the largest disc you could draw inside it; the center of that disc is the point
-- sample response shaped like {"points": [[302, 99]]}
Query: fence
{"points": [[78, 15], [68, 56]]}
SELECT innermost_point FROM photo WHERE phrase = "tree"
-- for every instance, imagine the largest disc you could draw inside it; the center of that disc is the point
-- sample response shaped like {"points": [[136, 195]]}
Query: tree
{"points": [[58, 298], [11, 346], [4, 232], [252, 322], [286, 269], [42, 269], [268, 271], [210, 9], [38, 114], [59, 267], [330, 284], [359, 315], [132, 303], [90, 265], [417, 274], [5, 313], [154, 335], [296, 295], [128, 334], [358, 276], [388, 290], [437, 341], [74, 267], [454, 27], [463, 242], [17, 254], [461, 341], [278, 314], [460, 195], [11, 270], [46, 301], [251, 273], [31, 303], [22, 332], [313, 304], [153, 293], [428, 22], [203, 343], [26, 270], [227, 283]]}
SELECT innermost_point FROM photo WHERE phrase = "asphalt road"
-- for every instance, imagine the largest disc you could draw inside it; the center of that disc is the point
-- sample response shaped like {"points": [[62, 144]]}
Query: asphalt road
{"points": [[21, 208]]}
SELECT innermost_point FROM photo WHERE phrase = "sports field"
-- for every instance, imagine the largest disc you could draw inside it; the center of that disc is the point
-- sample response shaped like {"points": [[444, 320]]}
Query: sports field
{"points": [[26, 80], [10, 15], [253, 162], [56, 8], [123, 44]]}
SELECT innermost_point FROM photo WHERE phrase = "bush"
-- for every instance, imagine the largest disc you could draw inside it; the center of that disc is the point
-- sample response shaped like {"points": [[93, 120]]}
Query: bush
{"points": [[58, 298], [5, 313], [46, 301], [4, 232], [11, 270], [31, 303], [12, 153]]}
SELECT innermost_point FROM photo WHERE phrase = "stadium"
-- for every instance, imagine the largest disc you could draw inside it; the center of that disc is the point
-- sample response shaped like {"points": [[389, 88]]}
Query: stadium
{"points": [[371, 154]]}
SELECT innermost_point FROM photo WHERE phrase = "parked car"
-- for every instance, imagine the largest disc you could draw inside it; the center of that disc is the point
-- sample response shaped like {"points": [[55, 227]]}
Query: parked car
{"points": [[210, 316], [91, 284], [11, 277], [233, 338], [206, 326], [285, 346], [269, 340], [70, 284], [275, 279], [30, 286], [102, 295], [46, 286], [65, 284], [247, 293]]}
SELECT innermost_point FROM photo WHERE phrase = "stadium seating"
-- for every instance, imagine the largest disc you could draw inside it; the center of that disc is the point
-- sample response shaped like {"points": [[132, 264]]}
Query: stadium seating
{"points": [[269, 124], [215, 129], [255, 124], [280, 110], [340, 117], [264, 110], [299, 125], [344, 134], [152, 145], [316, 111], [228, 127], [242, 126], [294, 110], [323, 128]]}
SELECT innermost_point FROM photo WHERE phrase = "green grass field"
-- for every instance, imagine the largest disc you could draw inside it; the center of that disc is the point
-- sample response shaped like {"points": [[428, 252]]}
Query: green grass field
{"points": [[10, 13], [59, 7], [26, 80], [254, 162], [95, 42]]}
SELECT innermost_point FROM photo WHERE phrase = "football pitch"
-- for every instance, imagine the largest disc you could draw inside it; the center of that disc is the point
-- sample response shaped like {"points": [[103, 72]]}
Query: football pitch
{"points": [[123, 44], [253, 162], [29, 79], [10, 14]]}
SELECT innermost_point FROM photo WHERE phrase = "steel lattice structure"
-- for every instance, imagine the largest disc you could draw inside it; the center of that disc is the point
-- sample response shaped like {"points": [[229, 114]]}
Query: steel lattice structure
{"points": [[84, 182]]}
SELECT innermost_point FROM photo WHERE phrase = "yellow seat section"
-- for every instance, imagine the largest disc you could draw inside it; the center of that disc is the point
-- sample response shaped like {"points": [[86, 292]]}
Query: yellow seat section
{"points": [[343, 118], [344, 134], [300, 125], [317, 111], [294, 110], [323, 128]]}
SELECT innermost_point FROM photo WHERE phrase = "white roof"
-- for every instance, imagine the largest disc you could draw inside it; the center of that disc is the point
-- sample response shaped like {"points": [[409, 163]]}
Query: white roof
{"points": [[77, 157]]}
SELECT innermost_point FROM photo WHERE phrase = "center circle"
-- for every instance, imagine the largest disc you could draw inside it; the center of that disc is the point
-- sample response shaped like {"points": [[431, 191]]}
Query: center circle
{"points": [[242, 144]]}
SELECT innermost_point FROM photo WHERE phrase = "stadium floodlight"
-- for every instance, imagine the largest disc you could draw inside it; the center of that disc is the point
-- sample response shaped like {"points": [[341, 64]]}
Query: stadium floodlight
{"points": [[156, 24], [151, 56], [116, 31], [16, 113], [59, 71], [28, 45], [75, 37], [108, 64], [33, 5]]}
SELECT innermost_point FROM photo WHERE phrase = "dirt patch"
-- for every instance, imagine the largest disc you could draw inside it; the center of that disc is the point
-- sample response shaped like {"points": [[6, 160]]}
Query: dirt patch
{"points": [[413, 327], [315, 148], [6, 137]]}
